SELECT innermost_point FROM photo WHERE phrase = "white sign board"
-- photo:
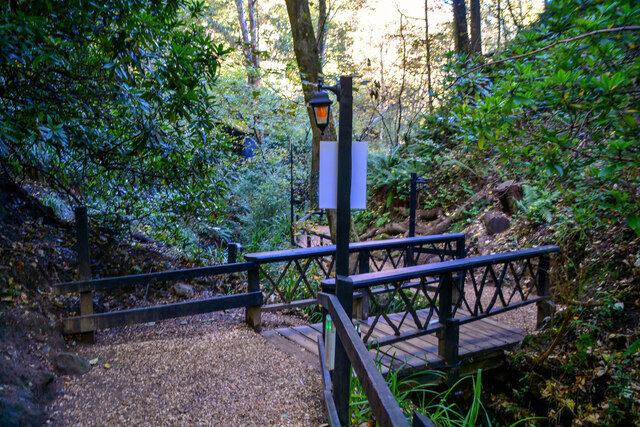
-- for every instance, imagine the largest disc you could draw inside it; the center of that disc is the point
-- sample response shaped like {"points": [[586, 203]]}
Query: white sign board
{"points": [[329, 175]]}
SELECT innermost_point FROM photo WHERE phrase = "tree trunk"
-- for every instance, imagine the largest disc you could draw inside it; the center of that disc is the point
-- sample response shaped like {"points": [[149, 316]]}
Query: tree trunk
{"points": [[500, 23], [249, 35], [251, 55], [460, 34], [305, 46], [476, 27], [255, 53], [428, 45], [322, 29]]}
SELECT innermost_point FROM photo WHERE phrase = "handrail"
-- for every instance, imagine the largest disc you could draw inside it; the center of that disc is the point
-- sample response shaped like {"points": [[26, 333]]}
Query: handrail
{"points": [[449, 296], [293, 254], [383, 403], [143, 279], [254, 267], [367, 280], [93, 322]]}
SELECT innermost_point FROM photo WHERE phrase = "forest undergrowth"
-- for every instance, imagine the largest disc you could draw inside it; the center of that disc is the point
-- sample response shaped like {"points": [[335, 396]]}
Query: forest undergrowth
{"points": [[557, 111]]}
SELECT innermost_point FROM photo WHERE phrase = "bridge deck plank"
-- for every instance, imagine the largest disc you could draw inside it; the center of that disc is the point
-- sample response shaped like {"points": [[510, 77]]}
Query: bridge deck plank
{"points": [[477, 339]]}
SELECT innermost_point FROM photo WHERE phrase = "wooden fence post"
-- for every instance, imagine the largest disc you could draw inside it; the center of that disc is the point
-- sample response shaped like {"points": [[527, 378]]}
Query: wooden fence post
{"points": [[361, 298], [546, 308], [458, 291], [84, 266], [254, 314], [448, 337], [342, 371], [233, 249]]}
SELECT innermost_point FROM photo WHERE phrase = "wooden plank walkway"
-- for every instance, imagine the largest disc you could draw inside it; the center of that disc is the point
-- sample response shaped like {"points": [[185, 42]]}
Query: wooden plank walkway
{"points": [[483, 340]]}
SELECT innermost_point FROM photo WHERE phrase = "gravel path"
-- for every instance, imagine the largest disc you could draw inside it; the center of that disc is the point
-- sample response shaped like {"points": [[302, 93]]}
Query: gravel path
{"points": [[202, 370]]}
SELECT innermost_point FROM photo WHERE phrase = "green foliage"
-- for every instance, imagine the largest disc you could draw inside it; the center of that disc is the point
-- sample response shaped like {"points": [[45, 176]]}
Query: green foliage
{"points": [[259, 202], [108, 103], [414, 395], [633, 348], [567, 116], [390, 174], [537, 205]]}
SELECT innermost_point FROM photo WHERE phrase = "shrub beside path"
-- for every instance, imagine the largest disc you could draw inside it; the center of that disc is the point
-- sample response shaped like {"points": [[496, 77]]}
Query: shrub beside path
{"points": [[202, 370]]}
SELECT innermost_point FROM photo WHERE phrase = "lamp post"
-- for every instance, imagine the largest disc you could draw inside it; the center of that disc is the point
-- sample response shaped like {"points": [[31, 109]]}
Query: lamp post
{"points": [[321, 105]]}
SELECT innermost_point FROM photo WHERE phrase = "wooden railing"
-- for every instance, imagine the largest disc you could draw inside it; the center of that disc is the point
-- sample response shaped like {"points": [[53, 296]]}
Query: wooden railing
{"points": [[505, 281], [305, 229], [383, 403], [265, 273], [291, 278], [510, 280]]}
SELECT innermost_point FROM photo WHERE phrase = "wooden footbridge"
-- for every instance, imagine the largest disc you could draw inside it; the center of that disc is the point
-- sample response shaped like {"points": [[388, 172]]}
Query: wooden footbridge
{"points": [[419, 303], [481, 344]]}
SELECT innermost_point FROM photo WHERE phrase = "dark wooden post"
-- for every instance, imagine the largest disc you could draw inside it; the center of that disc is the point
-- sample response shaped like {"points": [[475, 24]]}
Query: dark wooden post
{"points": [[361, 299], [413, 203], [448, 337], [253, 314], [84, 266], [408, 256], [233, 250], [546, 308], [342, 372], [461, 252]]}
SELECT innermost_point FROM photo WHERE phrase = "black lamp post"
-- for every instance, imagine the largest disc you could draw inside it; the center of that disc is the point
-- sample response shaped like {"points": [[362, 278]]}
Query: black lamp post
{"points": [[321, 104]]}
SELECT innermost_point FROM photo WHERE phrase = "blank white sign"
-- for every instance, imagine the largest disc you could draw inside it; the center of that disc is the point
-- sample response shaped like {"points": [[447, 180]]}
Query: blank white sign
{"points": [[329, 175]]}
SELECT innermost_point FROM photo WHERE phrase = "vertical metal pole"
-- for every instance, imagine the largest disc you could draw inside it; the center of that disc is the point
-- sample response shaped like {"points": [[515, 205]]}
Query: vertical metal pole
{"points": [[412, 210], [291, 176], [84, 265], [408, 256], [344, 286]]}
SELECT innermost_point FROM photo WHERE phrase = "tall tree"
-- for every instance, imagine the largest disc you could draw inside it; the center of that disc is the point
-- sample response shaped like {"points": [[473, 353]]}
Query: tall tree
{"points": [[308, 51], [251, 55], [250, 41], [460, 34], [500, 23], [428, 45], [306, 48], [476, 27]]}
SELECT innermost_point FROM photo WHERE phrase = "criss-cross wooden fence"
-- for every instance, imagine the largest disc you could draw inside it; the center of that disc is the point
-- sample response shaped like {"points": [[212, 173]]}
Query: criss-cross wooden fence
{"points": [[271, 280], [428, 279], [436, 298]]}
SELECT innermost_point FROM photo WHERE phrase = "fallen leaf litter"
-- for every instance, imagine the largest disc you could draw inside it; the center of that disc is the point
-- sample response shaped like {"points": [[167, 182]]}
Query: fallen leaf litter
{"points": [[213, 370]]}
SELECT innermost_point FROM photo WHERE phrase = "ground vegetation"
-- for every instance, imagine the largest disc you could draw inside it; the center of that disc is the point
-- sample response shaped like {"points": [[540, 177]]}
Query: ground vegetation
{"points": [[142, 113]]}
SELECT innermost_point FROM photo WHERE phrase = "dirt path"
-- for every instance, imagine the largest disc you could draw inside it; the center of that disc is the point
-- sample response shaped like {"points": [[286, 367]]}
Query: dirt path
{"points": [[202, 370]]}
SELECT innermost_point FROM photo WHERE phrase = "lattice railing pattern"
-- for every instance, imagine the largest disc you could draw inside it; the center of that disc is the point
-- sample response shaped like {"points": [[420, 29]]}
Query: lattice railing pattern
{"points": [[285, 281], [407, 297], [393, 258], [473, 293], [497, 287], [294, 280]]}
